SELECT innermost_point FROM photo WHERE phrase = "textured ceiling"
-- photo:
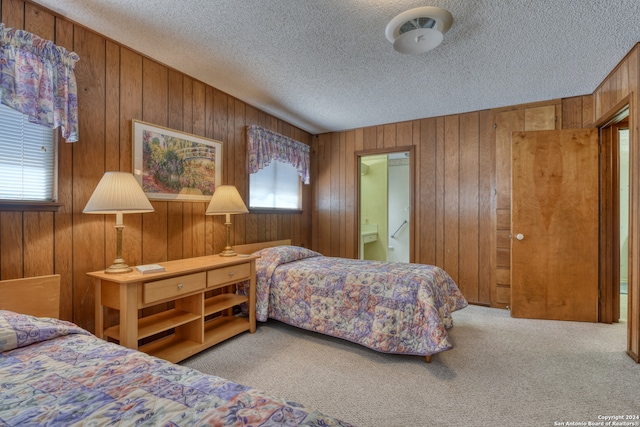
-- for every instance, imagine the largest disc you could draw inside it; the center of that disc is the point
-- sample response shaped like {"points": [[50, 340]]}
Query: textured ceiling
{"points": [[326, 65]]}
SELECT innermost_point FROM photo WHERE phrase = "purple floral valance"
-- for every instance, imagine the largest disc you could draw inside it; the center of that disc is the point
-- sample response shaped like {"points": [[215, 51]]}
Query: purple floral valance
{"points": [[37, 79], [266, 145]]}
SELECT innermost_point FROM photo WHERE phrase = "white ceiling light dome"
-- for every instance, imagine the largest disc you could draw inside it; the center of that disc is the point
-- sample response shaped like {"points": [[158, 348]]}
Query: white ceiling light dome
{"points": [[418, 30]]}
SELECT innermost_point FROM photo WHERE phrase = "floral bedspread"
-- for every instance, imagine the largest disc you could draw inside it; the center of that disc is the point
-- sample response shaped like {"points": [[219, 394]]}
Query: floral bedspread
{"points": [[388, 307], [54, 373]]}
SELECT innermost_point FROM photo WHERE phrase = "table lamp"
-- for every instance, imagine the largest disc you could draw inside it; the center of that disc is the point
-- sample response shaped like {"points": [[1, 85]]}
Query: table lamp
{"points": [[226, 201], [118, 193]]}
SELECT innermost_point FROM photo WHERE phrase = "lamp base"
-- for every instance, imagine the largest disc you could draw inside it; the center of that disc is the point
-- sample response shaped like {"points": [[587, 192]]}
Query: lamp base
{"points": [[118, 266], [227, 249], [228, 252]]}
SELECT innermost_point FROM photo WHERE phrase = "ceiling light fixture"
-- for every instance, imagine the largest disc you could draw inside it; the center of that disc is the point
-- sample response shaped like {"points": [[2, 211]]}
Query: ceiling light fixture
{"points": [[418, 30]]}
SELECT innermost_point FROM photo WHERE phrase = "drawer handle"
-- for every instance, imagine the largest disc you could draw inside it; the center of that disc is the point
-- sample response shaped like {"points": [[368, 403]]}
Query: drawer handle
{"points": [[179, 285], [231, 274]]}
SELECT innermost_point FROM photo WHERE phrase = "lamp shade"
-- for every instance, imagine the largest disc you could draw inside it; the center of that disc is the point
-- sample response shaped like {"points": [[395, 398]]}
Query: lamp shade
{"points": [[118, 192], [226, 200]]}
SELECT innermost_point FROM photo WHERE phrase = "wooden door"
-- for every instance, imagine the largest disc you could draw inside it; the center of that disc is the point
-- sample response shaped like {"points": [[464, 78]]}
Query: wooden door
{"points": [[554, 225]]}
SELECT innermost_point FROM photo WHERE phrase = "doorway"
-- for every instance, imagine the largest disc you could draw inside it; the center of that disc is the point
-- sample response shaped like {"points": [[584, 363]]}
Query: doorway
{"points": [[614, 200], [384, 206]]}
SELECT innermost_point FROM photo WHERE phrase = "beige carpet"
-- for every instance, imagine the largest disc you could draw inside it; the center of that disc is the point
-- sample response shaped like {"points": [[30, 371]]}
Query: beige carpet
{"points": [[501, 372]]}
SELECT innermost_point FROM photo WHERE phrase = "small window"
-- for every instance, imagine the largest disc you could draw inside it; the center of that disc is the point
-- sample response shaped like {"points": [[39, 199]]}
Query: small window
{"points": [[27, 159], [276, 186]]}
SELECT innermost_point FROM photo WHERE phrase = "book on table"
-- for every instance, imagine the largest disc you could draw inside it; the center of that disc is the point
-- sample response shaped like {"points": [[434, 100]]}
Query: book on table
{"points": [[150, 268]]}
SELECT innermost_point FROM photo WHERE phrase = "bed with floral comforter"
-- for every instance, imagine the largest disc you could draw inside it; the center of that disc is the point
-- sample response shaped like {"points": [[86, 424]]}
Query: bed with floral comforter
{"points": [[388, 307], [55, 373]]}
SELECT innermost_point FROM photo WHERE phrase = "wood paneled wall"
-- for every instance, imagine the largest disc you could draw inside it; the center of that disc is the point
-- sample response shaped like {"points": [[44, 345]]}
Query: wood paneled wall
{"points": [[461, 191], [452, 196], [116, 85], [621, 87], [461, 188]]}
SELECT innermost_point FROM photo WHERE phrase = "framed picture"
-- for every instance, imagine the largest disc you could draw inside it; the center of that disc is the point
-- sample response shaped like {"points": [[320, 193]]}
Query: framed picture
{"points": [[173, 165]]}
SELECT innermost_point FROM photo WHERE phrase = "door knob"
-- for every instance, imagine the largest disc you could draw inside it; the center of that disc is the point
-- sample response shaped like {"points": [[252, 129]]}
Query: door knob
{"points": [[519, 236]]}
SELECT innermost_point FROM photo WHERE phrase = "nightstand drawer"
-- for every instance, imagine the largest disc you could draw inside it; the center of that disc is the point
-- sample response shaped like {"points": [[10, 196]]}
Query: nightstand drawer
{"points": [[227, 275], [174, 287]]}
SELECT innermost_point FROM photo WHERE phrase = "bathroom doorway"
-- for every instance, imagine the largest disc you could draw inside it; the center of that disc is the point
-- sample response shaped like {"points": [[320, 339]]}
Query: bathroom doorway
{"points": [[384, 206]]}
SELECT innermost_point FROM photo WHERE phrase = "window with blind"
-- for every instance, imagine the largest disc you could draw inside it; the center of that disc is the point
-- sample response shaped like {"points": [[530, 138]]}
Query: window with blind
{"points": [[27, 159], [276, 186]]}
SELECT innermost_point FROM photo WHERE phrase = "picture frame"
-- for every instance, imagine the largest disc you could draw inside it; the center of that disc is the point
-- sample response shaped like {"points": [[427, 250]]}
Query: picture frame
{"points": [[175, 165]]}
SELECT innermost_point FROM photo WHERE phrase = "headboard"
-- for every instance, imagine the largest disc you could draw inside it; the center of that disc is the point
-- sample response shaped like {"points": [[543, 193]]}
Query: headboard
{"points": [[253, 247], [37, 296]]}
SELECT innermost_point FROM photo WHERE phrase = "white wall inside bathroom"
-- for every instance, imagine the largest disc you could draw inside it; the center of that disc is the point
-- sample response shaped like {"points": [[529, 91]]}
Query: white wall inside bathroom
{"points": [[624, 203], [399, 208]]}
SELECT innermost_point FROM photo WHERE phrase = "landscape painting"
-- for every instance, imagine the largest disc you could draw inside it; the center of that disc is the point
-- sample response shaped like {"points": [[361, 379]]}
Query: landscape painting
{"points": [[173, 165]]}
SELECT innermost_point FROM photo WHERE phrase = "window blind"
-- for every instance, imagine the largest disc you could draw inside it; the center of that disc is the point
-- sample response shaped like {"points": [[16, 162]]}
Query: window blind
{"points": [[27, 158], [275, 186]]}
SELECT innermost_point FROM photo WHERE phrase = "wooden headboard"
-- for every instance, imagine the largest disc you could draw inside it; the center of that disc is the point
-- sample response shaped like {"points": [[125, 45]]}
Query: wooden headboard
{"points": [[253, 247], [37, 296]]}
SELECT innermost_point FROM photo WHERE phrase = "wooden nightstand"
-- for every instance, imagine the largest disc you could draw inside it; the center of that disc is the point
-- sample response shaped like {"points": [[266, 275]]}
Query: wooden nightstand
{"points": [[198, 320]]}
